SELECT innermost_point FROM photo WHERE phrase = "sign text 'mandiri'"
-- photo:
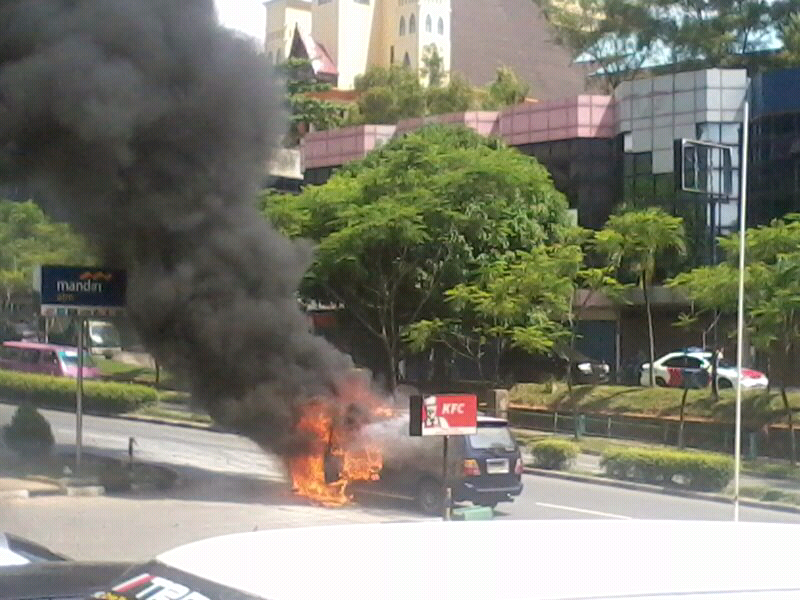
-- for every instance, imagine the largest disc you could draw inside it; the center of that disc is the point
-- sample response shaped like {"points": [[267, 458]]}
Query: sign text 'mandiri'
{"points": [[93, 287]]}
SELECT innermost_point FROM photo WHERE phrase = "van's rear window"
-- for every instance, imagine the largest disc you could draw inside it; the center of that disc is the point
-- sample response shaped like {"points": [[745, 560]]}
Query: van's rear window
{"points": [[492, 436]]}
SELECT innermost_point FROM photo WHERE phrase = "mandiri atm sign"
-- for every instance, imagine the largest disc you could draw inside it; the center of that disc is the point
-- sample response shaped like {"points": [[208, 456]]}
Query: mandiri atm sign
{"points": [[446, 414], [83, 291]]}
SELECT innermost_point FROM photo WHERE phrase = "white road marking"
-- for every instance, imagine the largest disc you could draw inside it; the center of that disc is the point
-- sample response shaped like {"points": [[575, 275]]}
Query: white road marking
{"points": [[597, 513]]}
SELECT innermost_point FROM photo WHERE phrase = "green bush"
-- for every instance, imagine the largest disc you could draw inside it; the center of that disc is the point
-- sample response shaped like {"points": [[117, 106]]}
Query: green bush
{"points": [[29, 433], [696, 470], [553, 453], [98, 396]]}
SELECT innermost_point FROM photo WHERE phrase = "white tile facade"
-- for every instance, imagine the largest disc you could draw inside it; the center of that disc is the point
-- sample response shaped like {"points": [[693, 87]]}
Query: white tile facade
{"points": [[657, 111]]}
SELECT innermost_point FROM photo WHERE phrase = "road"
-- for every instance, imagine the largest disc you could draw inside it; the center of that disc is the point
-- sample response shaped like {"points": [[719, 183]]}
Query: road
{"points": [[229, 485]]}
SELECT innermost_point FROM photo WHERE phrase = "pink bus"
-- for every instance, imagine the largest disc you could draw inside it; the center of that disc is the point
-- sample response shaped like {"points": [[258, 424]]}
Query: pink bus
{"points": [[48, 359]]}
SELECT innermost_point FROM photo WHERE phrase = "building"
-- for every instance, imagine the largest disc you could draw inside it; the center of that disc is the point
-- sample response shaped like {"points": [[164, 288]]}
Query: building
{"points": [[357, 34], [472, 38], [283, 18], [513, 33], [774, 180]]}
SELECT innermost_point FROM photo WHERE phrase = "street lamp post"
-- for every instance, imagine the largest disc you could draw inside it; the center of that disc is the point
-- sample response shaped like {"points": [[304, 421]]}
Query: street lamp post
{"points": [[737, 452]]}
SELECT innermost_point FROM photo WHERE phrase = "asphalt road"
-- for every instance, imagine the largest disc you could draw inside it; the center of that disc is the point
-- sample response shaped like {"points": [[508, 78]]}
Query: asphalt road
{"points": [[229, 485]]}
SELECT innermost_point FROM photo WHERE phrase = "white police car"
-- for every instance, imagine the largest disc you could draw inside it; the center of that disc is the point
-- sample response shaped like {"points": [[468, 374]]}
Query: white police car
{"points": [[682, 367]]}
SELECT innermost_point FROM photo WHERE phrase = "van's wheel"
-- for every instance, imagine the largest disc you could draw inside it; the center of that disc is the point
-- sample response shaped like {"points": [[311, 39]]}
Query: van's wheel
{"points": [[660, 382], [430, 498], [725, 384]]}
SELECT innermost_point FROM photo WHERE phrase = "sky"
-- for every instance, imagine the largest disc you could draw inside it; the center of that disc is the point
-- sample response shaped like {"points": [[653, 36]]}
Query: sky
{"points": [[248, 16]]}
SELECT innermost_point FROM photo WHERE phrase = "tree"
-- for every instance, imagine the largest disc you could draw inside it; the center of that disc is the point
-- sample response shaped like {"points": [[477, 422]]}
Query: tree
{"points": [[433, 66], [27, 239], [521, 300], [772, 294], [307, 110], [457, 96], [634, 241], [419, 216], [388, 95], [623, 36], [506, 90]]}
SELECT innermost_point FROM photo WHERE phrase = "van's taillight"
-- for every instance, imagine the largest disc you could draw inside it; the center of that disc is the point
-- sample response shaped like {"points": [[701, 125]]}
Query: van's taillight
{"points": [[471, 467], [518, 467]]}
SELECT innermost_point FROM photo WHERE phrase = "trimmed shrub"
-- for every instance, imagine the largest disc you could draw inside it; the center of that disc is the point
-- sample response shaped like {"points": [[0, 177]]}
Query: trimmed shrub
{"points": [[29, 434], [696, 470], [98, 396], [553, 453]]}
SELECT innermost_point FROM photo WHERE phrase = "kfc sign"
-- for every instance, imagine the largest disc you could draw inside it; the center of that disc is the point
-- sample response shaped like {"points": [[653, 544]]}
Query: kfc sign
{"points": [[448, 414]]}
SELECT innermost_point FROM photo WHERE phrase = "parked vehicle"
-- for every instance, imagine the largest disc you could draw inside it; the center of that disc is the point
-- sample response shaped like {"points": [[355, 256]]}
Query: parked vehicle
{"points": [[48, 359], [673, 369], [484, 468]]}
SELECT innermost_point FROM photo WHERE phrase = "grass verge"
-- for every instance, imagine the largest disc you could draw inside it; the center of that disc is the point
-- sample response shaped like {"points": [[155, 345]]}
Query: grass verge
{"points": [[759, 406]]}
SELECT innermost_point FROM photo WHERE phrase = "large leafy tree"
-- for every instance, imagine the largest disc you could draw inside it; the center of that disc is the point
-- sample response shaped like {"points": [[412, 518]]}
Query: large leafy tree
{"points": [[27, 239], [429, 211], [634, 241], [622, 36], [772, 294]]}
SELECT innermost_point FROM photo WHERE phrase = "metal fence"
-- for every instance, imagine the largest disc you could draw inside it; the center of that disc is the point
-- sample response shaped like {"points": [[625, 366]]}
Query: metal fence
{"points": [[771, 441]]}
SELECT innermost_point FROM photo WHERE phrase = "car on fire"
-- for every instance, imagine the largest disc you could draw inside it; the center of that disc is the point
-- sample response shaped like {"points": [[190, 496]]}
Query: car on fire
{"points": [[693, 366], [484, 468], [437, 560]]}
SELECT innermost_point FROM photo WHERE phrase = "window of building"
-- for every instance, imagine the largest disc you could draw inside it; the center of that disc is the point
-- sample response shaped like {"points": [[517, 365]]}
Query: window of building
{"points": [[270, 58], [323, 1], [412, 24], [402, 29], [407, 60], [279, 56], [428, 24], [440, 26], [362, 1], [391, 55]]}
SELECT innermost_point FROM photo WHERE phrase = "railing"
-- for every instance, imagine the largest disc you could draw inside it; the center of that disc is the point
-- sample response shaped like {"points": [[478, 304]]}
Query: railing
{"points": [[707, 434]]}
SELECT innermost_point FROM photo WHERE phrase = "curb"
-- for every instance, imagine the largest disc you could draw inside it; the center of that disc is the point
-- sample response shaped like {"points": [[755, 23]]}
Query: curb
{"points": [[646, 487], [165, 421]]}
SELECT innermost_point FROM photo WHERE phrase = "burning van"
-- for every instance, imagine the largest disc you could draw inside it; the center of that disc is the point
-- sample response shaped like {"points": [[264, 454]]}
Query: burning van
{"points": [[484, 468]]}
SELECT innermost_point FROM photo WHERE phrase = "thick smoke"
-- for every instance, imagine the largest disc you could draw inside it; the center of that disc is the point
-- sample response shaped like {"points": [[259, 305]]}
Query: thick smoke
{"points": [[148, 126]]}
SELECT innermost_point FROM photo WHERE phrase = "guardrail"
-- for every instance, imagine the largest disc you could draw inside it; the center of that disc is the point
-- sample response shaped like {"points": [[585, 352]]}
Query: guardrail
{"points": [[706, 434]]}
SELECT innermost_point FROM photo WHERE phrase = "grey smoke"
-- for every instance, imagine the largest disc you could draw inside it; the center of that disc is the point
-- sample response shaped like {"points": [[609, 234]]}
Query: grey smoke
{"points": [[147, 126]]}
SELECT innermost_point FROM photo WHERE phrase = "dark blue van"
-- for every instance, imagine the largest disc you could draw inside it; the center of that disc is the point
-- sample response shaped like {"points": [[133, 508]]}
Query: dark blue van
{"points": [[484, 468]]}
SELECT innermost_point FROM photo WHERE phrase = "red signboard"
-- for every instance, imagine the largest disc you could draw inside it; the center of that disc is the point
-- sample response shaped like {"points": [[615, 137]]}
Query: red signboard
{"points": [[449, 414]]}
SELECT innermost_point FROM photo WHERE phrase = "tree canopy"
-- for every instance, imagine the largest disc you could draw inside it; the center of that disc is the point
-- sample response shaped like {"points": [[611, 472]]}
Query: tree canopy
{"points": [[401, 228], [397, 92], [634, 241], [27, 239], [623, 36]]}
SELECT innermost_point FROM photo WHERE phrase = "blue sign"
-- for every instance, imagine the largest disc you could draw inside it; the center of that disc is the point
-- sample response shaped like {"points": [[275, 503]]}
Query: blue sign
{"points": [[82, 290]]}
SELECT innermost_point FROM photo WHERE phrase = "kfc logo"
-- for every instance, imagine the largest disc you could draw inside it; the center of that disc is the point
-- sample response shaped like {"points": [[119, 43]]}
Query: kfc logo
{"points": [[445, 415]]}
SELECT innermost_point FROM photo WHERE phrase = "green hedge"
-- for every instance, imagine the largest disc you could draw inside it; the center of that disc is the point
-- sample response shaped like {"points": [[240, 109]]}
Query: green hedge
{"points": [[98, 396], [696, 470], [553, 453]]}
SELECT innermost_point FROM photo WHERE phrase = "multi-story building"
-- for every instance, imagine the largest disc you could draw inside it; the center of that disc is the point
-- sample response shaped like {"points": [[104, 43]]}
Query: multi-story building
{"points": [[283, 18], [471, 38]]}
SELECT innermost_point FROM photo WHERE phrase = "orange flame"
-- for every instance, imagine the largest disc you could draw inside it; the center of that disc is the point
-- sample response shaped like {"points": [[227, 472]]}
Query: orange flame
{"points": [[357, 457]]}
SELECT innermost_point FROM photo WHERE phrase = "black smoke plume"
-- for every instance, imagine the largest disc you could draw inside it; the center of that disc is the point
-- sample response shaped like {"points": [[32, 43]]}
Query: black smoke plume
{"points": [[148, 126]]}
